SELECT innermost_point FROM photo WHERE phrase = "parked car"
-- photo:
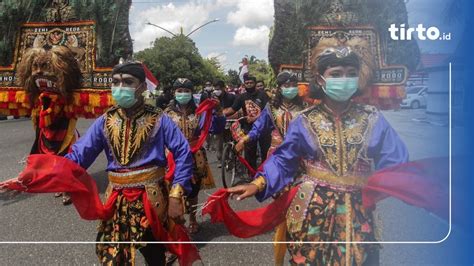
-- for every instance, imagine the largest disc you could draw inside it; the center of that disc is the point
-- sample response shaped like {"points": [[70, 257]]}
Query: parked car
{"points": [[416, 97]]}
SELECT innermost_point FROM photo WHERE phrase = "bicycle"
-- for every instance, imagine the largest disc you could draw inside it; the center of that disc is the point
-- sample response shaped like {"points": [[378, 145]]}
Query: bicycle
{"points": [[231, 166]]}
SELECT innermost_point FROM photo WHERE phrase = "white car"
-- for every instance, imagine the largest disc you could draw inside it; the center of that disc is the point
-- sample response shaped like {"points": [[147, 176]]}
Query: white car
{"points": [[416, 97]]}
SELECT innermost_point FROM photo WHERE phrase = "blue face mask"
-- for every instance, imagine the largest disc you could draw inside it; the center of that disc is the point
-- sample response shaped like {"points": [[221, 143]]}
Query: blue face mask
{"points": [[183, 97], [341, 89], [289, 92], [124, 96]]}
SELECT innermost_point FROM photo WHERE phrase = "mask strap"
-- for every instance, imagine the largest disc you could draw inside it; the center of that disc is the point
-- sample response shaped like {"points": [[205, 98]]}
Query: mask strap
{"points": [[323, 87]]}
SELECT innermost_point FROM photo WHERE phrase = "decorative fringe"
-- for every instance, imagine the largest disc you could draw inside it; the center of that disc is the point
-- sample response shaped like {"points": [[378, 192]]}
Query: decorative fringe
{"points": [[388, 92], [86, 103], [202, 206], [13, 102]]}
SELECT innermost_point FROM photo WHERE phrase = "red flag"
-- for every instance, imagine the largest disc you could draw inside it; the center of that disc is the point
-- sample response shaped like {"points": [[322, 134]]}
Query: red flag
{"points": [[151, 81]]}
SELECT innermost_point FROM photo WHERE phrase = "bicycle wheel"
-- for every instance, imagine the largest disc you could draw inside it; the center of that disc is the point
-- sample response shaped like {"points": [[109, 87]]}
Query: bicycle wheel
{"points": [[240, 174], [227, 165]]}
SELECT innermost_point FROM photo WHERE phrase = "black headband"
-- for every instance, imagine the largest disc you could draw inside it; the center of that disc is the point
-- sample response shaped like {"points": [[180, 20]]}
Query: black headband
{"points": [[131, 68], [332, 60], [183, 83], [286, 77]]}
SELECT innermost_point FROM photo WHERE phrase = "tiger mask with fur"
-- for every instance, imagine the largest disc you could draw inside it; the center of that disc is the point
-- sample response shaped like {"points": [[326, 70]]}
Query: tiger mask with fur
{"points": [[55, 71]]}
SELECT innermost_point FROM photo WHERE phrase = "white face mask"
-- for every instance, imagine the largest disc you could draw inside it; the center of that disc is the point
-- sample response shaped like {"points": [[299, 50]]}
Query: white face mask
{"points": [[217, 93]]}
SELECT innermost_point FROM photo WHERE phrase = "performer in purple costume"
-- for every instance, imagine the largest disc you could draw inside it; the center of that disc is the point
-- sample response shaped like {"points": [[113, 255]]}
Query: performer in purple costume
{"points": [[340, 144], [134, 137]]}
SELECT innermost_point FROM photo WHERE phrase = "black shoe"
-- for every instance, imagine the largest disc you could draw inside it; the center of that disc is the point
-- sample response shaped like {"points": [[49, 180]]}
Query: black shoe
{"points": [[66, 199]]}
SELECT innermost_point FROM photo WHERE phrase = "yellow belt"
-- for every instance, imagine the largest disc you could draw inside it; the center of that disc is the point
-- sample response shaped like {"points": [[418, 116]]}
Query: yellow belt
{"points": [[349, 181], [136, 178]]}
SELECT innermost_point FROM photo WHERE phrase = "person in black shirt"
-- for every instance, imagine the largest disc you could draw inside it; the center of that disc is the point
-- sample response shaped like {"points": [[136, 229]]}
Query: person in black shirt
{"points": [[206, 91], [260, 85], [226, 101], [164, 99], [252, 102]]}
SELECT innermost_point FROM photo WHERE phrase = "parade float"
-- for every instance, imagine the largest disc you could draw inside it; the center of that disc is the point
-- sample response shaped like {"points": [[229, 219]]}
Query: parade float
{"points": [[97, 41], [346, 20]]}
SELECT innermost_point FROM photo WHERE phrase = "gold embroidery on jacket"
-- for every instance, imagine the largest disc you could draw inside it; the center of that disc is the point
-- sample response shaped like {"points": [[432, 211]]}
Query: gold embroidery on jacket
{"points": [[283, 116], [342, 139], [126, 136], [187, 123]]}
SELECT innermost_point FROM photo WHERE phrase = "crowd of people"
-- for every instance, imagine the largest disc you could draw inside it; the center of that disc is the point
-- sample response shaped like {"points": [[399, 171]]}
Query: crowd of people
{"points": [[157, 162]]}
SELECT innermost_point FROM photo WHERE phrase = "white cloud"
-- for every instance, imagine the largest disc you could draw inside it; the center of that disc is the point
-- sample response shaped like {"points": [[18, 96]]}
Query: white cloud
{"points": [[252, 13], [220, 56], [256, 37], [249, 19], [225, 3], [171, 17]]}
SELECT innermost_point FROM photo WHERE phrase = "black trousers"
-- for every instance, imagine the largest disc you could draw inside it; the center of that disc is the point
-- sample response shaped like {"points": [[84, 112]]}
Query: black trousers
{"points": [[154, 254], [251, 150]]}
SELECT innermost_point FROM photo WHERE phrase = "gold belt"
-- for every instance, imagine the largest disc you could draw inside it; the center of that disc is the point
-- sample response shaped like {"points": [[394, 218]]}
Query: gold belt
{"points": [[349, 181], [136, 178]]}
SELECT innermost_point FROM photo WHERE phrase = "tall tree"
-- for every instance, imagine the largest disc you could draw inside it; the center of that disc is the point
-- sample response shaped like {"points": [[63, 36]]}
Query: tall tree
{"points": [[260, 69], [292, 17], [232, 77], [111, 17], [175, 57]]}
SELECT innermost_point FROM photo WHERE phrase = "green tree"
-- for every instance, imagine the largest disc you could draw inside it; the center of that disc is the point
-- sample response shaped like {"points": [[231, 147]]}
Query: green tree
{"points": [[111, 17], [232, 77], [172, 58], [288, 39], [260, 69], [214, 67]]}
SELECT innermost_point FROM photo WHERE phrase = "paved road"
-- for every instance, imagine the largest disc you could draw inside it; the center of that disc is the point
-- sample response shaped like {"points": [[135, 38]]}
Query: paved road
{"points": [[43, 218]]}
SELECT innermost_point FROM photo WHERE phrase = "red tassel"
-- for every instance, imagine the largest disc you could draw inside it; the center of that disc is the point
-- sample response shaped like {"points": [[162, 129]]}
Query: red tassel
{"points": [[11, 96], [84, 98], [393, 92], [104, 102]]}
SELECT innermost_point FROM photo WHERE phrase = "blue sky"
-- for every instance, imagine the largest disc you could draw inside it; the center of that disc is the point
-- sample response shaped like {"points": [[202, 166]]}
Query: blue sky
{"points": [[433, 13], [243, 26]]}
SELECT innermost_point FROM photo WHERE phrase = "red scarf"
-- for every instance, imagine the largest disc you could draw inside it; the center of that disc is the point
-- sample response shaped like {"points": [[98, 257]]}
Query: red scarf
{"points": [[205, 107], [421, 183], [46, 173], [48, 115]]}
